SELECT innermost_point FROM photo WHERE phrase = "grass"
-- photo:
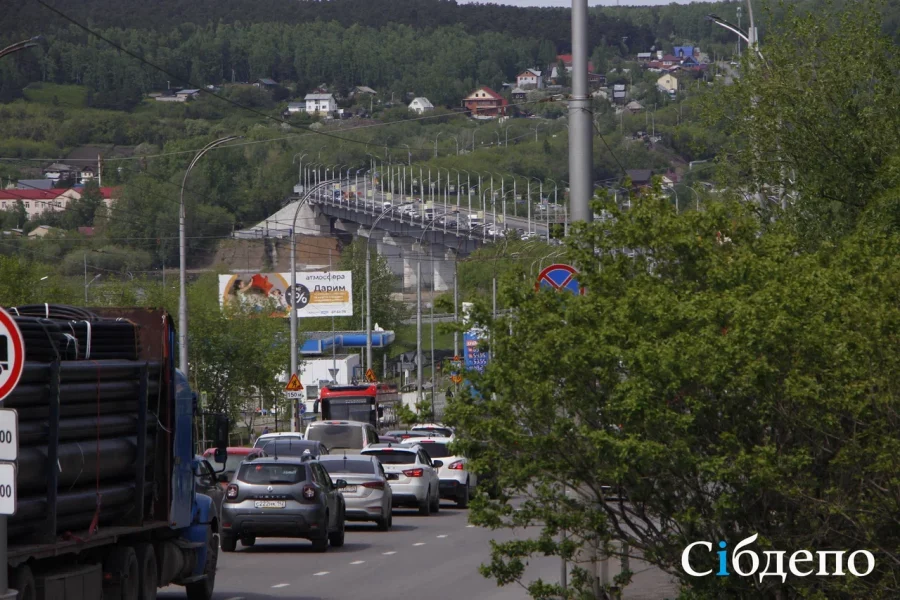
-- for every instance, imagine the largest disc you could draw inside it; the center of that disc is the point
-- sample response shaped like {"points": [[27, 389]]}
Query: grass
{"points": [[71, 96]]}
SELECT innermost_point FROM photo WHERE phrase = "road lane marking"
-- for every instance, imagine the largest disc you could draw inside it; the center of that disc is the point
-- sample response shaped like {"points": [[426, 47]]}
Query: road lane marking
{"points": [[236, 598], [419, 544], [320, 573], [280, 585], [469, 526], [357, 562], [442, 536], [389, 553]]}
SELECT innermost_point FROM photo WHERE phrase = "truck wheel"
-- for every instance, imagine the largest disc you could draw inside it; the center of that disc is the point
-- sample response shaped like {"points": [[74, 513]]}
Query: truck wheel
{"points": [[148, 574], [122, 563], [203, 590], [229, 543], [23, 580]]}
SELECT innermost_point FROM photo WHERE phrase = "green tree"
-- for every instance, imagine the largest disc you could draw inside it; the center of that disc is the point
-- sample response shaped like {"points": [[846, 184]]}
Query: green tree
{"points": [[723, 383]]}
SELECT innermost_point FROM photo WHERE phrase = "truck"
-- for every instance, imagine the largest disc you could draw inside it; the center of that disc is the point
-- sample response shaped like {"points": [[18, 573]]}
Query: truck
{"points": [[107, 482]]}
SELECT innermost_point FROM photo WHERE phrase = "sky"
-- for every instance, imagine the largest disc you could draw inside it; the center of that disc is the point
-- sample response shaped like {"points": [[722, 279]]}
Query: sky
{"points": [[568, 3]]}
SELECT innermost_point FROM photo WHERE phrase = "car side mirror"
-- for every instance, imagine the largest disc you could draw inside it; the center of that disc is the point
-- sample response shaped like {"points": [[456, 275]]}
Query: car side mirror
{"points": [[438, 464], [222, 478], [340, 483]]}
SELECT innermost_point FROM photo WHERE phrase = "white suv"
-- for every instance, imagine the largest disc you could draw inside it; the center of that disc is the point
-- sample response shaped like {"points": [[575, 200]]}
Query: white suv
{"points": [[412, 475], [456, 482]]}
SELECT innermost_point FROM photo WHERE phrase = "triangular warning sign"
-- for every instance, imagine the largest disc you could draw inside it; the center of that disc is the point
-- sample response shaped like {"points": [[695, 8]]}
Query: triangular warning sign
{"points": [[294, 384]]}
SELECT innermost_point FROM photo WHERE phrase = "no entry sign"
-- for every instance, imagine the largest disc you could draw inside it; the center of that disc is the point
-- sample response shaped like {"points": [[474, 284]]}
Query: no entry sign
{"points": [[12, 354]]}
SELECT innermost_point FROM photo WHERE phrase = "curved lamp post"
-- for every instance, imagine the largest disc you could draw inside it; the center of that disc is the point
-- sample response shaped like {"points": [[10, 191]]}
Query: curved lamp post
{"points": [[23, 45], [182, 258], [300, 166], [292, 295]]}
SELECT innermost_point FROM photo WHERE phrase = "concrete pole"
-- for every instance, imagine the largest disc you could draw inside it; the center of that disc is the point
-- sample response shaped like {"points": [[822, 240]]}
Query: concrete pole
{"points": [[293, 324], [433, 287], [455, 306], [581, 135], [369, 362]]}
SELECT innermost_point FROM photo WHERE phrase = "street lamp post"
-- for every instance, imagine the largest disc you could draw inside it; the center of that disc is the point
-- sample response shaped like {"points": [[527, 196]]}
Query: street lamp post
{"points": [[299, 166], [182, 258], [23, 45], [440, 133]]}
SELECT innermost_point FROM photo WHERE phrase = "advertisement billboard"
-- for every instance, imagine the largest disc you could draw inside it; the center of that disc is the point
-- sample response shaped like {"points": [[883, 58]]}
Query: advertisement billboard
{"points": [[318, 293], [475, 358]]}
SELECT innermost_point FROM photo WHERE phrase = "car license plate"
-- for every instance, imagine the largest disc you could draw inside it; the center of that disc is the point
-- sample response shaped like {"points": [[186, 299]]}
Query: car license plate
{"points": [[350, 489], [269, 504]]}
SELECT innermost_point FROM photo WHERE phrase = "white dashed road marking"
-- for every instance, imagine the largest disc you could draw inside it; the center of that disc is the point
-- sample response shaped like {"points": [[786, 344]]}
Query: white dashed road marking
{"points": [[321, 573], [389, 553], [236, 598], [469, 526], [442, 536], [280, 585], [357, 562], [419, 544]]}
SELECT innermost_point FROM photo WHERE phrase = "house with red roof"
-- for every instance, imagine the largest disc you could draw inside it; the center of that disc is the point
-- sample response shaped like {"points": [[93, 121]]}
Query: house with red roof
{"points": [[37, 201], [485, 103]]}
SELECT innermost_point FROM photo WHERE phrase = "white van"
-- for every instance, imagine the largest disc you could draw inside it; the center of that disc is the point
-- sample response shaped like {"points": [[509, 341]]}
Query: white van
{"points": [[342, 435], [475, 220]]}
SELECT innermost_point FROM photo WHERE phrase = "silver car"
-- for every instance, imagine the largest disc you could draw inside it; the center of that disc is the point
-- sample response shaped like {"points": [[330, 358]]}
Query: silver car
{"points": [[412, 475], [368, 494]]}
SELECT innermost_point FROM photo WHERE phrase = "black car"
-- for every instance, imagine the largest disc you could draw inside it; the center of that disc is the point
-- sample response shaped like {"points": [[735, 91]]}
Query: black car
{"points": [[296, 448], [283, 497]]}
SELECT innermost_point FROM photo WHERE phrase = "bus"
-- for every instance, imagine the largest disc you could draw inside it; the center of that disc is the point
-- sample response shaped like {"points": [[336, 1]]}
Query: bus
{"points": [[373, 403]]}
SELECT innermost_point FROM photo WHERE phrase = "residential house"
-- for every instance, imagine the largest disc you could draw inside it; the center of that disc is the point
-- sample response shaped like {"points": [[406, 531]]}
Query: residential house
{"points": [[362, 90], [169, 96], [518, 94], [644, 56], [189, 94], [296, 107], [668, 84], [37, 202], [42, 230], [421, 105], [485, 103], [87, 174], [670, 179], [634, 107], [640, 178], [683, 52], [596, 80], [266, 84], [619, 93], [57, 171], [320, 104], [530, 79]]}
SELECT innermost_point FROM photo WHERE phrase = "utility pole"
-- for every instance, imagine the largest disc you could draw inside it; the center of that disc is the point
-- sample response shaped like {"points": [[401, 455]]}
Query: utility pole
{"points": [[419, 331], [581, 135], [455, 306], [433, 366]]}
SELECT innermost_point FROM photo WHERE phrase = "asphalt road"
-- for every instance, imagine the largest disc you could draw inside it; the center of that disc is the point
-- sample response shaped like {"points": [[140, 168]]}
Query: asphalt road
{"points": [[432, 557]]}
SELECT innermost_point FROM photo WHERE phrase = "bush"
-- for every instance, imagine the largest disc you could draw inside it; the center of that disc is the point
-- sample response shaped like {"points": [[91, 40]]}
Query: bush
{"points": [[109, 258]]}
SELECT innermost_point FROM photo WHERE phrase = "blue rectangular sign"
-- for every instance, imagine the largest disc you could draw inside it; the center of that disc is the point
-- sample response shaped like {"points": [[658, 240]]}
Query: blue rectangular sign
{"points": [[475, 359]]}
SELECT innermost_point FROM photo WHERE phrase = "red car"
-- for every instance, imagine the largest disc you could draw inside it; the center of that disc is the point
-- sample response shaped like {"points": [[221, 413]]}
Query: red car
{"points": [[236, 456]]}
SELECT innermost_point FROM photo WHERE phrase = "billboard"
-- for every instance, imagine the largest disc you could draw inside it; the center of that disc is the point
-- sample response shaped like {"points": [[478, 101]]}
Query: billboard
{"points": [[318, 293], [475, 358]]}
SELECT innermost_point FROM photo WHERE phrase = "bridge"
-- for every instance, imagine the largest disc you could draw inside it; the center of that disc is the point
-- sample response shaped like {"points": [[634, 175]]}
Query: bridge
{"points": [[407, 229]]}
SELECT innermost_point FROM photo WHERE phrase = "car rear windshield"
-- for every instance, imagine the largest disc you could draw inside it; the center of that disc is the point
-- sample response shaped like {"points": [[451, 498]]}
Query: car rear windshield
{"points": [[271, 473], [338, 436], [438, 431], [232, 462], [291, 448], [436, 450], [392, 457], [349, 466]]}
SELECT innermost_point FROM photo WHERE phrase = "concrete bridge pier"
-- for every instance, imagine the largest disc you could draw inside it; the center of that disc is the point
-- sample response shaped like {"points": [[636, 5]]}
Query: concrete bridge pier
{"points": [[444, 268], [412, 255]]}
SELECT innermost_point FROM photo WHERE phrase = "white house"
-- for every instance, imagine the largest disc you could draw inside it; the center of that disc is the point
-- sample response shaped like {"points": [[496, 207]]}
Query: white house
{"points": [[420, 105], [667, 84], [296, 107], [530, 78], [322, 104]]}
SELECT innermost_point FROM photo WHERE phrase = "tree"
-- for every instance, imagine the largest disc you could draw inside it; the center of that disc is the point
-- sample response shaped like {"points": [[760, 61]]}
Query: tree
{"points": [[719, 381]]}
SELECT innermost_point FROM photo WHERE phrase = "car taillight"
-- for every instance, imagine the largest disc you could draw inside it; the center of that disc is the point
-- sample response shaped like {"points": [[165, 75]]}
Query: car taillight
{"points": [[231, 492], [413, 472], [375, 485], [457, 465], [309, 492]]}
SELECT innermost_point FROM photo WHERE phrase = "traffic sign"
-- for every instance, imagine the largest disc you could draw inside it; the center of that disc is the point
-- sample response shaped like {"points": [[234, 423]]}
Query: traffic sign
{"points": [[293, 395], [302, 408], [294, 384], [9, 434], [370, 375], [12, 354], [333, 373], [559, 277], [7, 488], [456, 378]]}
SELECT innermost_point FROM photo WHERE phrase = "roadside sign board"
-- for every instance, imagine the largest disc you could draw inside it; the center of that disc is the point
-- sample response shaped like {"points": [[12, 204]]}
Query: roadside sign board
{"points": [[9, 434], [559, 277], [370, 376], [293, 395], [456, 378], [12, 354], [294, 384], [333, 373], [7, 489], [302, 408]]}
